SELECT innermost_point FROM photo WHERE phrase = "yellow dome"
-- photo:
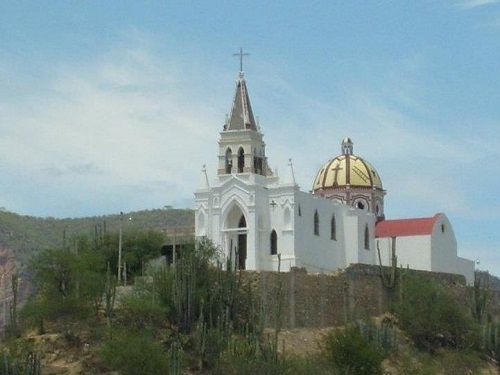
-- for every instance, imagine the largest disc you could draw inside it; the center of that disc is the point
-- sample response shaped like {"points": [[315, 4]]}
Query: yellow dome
{"points": [[347, 169]]}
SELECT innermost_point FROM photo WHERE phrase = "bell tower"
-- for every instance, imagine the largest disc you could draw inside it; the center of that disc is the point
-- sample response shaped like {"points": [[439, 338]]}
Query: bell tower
{"points": [[241, 145]]}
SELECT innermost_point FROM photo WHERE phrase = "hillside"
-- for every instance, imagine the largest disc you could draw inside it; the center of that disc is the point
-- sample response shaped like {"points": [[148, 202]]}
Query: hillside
{"points": [[25, 234]]}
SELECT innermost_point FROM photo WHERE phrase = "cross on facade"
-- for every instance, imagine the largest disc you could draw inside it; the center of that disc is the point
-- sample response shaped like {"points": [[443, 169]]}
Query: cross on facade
{"points": [[273, 203], [241, 54]]}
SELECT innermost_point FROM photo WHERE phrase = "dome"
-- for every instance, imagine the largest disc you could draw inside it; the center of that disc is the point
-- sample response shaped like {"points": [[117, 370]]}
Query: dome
{"points": [[347, 169]]}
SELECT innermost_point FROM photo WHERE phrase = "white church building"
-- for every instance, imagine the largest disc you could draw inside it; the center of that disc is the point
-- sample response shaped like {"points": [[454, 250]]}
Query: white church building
{"points": [[253, 215]]}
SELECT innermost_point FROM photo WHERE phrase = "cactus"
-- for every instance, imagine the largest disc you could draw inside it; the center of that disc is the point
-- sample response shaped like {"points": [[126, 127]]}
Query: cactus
{"points": [[175, 357], [490, 339], [481, 297], [383, 335], [29, 366], [109, 296], [389, 281], [12, 328]]}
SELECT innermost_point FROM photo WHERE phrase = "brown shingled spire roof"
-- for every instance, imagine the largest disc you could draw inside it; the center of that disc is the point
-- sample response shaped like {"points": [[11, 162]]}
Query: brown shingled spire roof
{"points": [[241, 113]]}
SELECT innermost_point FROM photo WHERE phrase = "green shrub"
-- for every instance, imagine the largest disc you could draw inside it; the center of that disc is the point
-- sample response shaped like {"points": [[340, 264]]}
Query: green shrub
{"points": [[134, 352], [444, 361], [232, 363], [432, 317], [351, 353], [141, 311]]}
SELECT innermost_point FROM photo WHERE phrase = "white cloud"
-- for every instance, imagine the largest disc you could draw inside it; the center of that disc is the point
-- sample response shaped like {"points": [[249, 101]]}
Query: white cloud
{"points": [[125, 120], [470, 4], [133, 119]]}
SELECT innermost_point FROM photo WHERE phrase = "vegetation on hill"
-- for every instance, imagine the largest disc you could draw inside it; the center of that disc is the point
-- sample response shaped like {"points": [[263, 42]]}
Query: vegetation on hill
{"points": [[196, 316], [28, 234]]}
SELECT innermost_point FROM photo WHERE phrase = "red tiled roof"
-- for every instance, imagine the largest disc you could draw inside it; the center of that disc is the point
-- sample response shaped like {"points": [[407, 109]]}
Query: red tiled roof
{"points": [[406, 227]]}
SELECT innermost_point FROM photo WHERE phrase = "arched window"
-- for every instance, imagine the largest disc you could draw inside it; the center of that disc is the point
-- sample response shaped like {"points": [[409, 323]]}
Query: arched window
{"points": [[316, 223], [367, 238], [333, 228], [229, 161], [241, 160], [274, 242], [287, 218]]}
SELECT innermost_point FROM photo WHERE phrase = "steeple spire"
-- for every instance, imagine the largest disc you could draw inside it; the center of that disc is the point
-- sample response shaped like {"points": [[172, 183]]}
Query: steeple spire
{"points": [[290, 178], [241, 117]]}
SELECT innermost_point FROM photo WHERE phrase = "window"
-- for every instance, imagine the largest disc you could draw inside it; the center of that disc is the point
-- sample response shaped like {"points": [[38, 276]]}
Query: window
{"points": [[316, 223], [361, 205], [229, 161], [300, 212], [442, 228], [274, 242], [287, 218], [333, 228], [367, 238], [241, 160]]}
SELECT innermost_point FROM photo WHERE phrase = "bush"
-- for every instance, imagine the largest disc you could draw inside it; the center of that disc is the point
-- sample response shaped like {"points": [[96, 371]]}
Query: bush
{"points": [[133, 352], [432, 317], [245, 358], [350, 352], [141, 311]]}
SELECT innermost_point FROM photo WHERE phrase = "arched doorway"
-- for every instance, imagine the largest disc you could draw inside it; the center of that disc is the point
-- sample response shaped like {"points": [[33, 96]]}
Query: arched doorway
{"points": [[235, 229]]}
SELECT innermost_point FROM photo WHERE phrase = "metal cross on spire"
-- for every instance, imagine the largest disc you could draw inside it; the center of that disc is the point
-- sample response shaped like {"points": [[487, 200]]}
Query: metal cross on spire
{"points": [[241, 54]]}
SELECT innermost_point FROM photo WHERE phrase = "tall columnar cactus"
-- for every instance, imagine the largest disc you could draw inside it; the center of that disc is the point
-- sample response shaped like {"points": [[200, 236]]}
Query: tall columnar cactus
{"points": [[109, 296], [13, 304], [175, 357], [389, 279], [30, 365], [382, 334], [490, 339], [481, 297]]}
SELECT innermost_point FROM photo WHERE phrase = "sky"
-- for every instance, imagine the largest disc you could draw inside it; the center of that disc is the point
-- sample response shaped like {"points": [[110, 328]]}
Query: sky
{"points": [[115, 106]]}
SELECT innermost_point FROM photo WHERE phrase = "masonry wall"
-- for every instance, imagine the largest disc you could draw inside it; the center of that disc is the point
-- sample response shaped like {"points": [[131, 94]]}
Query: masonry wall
{"points": [[321, 300]]}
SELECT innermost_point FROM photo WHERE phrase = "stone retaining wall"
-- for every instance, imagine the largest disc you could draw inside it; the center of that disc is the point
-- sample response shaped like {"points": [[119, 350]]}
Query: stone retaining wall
{"points": [[321, 300]]}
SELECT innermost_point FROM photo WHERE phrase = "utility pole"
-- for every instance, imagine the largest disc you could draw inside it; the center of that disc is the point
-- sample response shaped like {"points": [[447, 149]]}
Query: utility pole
{"points": [[120, 248]]}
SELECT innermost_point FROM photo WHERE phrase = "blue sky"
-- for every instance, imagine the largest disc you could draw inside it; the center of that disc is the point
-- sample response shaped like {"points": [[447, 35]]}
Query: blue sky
{"points": [[109, 106]]}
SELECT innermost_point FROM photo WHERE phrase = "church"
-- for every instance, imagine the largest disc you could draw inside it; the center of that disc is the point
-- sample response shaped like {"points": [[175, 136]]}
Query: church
{"points": [[265, 222]]}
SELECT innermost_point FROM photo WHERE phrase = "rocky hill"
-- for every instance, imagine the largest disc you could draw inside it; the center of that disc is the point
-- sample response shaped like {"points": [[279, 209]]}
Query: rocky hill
{"points": [[26, 234]]}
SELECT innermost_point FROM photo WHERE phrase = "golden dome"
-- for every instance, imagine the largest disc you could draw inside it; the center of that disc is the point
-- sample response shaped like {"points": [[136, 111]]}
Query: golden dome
{"points": [[347, 169]]}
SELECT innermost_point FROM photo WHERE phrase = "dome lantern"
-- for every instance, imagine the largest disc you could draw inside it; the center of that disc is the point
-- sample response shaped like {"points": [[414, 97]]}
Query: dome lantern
{"points": [[347, 146]]}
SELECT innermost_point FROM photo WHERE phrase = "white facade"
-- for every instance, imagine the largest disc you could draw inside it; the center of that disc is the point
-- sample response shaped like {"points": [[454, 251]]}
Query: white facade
{"points": [[253, 215]]}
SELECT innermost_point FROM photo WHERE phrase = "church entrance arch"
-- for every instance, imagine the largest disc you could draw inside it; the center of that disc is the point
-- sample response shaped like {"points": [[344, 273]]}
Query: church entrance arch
{"points": [[235, 228]]}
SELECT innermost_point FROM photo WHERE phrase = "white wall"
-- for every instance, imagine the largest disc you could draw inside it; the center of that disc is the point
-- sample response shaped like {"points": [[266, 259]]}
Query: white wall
{"points": [[466, 267], [444, 246], [320, 253], [444, 251], [412, 251]]}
